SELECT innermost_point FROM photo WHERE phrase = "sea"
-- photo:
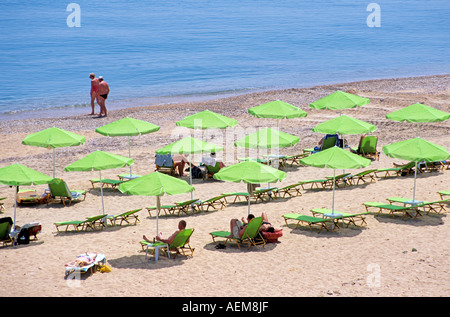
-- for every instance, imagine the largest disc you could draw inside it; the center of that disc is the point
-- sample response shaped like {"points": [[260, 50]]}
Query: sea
{"points": [[162, 51]]}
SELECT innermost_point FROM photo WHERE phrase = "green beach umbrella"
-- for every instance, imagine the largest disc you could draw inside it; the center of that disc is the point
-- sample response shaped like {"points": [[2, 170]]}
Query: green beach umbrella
{"points": [[416, 150], [418, 113], [344, 125], [156, 184], [339, 100], [267, 138], [20, 175], [98, 161], [251, 173], [52, 138], [127, 127], [277, 110], [335, 158], [189, 145], [207, 120]]}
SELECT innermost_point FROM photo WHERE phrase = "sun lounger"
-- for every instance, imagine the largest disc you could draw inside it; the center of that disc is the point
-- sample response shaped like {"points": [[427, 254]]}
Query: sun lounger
{"points": [[167, 209], [364, 176], [33, 229], [74, 267], [262, 161], [295, 159], [90, 222], [328, 224], [215, 203], [186, 206], [125, 216], [290, 190], [58, 189], [410, 211], [237, 196], [164, 164], [317, 183], [126, 176], [399, 170], [251, 236], [367, 147], [340, 180], [180, 245], [113, 183], [444, 193], [30, 196], [346, 218], [262, 193]]}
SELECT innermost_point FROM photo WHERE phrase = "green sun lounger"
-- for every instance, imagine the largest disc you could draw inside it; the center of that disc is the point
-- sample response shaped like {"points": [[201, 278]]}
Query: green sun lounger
{"points": [[179, 245], [324, 183], [59, 190], [441, 193], [410, 211], [5, 230], [215, 203], [269, 193], [290, 190], [113, 183], [339, 180], [364, 176], [167, 209], [328, 224], [125, 216], [237, 196], [94, 223], [251, 235], [346, 218]]}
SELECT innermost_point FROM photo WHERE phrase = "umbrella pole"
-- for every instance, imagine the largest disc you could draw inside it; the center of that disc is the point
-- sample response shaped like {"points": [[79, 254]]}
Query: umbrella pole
{"points": [[101, 190], [53, 162], [190, 174], [129, 153], [158, 207], [15, 206], [415, 176], [334, 183], [249, 190]]}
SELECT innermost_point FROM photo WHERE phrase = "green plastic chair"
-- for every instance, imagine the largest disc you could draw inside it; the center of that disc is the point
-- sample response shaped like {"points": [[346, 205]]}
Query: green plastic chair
{"points": [[59, 190], [5, 229], [251, 236], [211, 170], [368, 147], [179, 245]]}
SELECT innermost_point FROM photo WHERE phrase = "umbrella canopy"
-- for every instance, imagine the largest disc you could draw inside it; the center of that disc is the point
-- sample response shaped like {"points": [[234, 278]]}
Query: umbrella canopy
{"points": [[127, 127], [207, 120], [54, 138], [98, 161], [277, 110], [416, 150], [20, 175], [189, 145], [418, 113], [344, 125], [251, 173], [339, 100], [156, 184], [335, 158], [267, 138]]}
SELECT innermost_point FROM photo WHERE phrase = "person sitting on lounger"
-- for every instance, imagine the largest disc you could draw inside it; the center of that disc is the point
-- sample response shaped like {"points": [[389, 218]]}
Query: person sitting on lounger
{"points": [[237, 228], [181, 226]]}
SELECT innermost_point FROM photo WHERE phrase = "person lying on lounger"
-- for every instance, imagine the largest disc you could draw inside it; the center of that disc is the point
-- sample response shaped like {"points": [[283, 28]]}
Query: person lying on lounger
{"points": [[83, 260]]}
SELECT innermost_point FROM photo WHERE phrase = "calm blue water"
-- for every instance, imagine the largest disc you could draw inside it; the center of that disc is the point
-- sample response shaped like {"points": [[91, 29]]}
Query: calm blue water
{"points": [[182, 48]]}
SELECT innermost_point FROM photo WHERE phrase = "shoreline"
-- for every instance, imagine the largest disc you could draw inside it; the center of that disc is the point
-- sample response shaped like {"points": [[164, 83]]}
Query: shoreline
{"points": [[158, 101]]}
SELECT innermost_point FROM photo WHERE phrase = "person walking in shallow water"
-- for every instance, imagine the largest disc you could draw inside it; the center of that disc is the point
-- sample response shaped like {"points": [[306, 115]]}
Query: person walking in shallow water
{"points": [[103, 91], [94, 90]]}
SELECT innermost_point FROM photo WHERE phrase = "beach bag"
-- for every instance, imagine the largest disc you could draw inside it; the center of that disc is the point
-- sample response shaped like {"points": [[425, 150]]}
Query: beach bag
{"points": [[197, 172], [24, 236]]}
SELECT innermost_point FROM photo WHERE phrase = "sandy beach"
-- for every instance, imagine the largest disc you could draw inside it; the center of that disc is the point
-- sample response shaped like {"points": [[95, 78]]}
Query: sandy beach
{"points": [[385, 257]]}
